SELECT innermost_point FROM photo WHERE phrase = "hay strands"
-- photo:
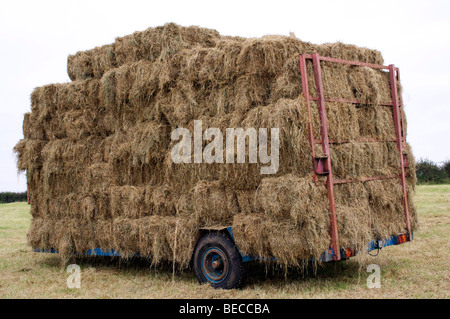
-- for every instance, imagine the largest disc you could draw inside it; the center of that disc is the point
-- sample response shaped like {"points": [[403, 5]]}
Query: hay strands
{"points": [[322, 164]]}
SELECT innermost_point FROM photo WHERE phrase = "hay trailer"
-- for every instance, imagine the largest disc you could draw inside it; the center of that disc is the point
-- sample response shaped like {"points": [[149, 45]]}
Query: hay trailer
{"points": [[218, 261]]}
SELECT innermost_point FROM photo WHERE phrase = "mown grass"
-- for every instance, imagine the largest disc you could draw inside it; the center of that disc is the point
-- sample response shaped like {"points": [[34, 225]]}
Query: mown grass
{"points": [[419, 269]]}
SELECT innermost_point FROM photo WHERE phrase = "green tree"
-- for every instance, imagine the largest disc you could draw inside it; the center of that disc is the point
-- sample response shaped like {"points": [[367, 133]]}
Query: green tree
{"points": [[429, 172], [446, 168], [9, 197]]}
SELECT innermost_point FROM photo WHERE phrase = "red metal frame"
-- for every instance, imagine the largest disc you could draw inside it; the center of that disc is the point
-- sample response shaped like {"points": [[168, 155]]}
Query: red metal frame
{"points": [[399, 132], [322, 165]]}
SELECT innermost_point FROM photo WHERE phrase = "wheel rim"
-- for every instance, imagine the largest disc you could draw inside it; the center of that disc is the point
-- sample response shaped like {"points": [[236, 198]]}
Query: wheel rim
{"points": [[215, 265]]}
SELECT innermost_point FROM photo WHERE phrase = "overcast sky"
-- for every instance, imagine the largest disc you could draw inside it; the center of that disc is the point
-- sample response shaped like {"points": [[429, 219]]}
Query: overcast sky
{"points": [[37, 36]]}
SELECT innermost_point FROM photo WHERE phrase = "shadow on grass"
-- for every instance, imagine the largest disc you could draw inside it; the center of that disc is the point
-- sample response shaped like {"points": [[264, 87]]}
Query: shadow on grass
{"points": [[259, 274], [342, 272]]}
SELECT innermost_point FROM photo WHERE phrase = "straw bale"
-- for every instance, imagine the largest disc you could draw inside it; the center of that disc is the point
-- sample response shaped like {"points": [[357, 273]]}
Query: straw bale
{"points": [[97, 150]]}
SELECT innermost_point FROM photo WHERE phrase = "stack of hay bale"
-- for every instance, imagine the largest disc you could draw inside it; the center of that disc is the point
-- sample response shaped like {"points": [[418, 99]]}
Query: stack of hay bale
{"points": [[97, 150]]}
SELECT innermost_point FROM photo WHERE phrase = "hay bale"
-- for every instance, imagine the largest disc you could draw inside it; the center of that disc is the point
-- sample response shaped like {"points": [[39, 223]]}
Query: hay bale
{"points": [[344, 51], [125, 236], [97, 151], [29, 155], [287, 243], [32, 129], [168, 238], [92, 63], [214, 204], [38, 234], [104, 234], [127, 202], [98, 176], [67, 110], [299, 208], [145, 45], [353, 160], [136, 156], [160, 200]]}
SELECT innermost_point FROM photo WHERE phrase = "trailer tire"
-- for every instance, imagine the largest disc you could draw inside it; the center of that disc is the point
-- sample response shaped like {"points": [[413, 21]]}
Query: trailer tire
{"points": [[218, 262]]}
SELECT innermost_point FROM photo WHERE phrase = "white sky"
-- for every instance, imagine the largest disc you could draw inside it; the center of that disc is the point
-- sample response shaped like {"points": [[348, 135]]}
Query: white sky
{"points": [[37, 36]]}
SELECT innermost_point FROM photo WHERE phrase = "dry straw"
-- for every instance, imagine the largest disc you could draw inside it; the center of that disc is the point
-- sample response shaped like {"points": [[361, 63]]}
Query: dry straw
{"points": [[97, 150]]}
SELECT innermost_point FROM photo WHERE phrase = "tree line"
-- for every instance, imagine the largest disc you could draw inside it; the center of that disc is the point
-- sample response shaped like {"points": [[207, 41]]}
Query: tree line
{"points": [[429, 172], [10, 197]]}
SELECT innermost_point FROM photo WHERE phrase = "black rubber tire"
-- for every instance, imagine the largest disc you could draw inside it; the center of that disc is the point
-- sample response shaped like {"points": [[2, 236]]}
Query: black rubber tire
{"points": [[236, 271]]}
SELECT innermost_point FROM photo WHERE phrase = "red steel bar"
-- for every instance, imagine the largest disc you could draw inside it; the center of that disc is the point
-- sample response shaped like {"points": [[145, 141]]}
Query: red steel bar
{"points": [[398, 133], [351, 101], [326, 150], [304, 76], [364, 179], [358, 140], [370, 65]]}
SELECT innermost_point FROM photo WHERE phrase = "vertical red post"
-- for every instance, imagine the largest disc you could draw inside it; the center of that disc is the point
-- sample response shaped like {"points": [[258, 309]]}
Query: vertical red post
{"points": [[398, 134], [326, 149], [304, 77]]}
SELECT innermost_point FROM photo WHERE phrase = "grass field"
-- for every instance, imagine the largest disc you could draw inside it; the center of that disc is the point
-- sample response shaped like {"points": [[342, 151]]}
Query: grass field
{"points": [[420, 269]]}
